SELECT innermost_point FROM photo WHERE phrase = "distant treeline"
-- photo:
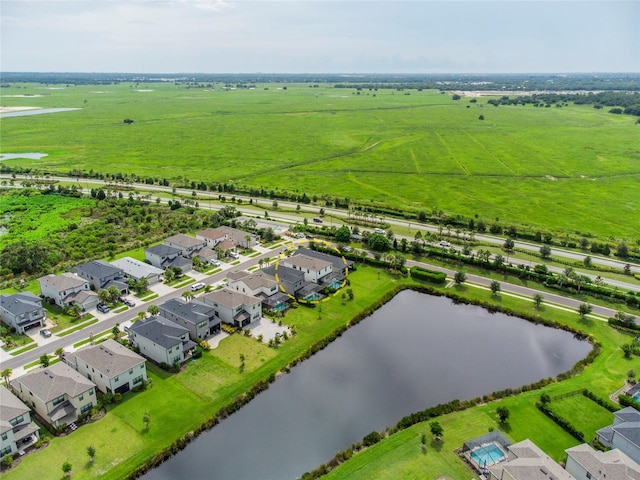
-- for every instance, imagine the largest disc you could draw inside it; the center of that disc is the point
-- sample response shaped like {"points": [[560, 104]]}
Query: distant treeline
{"points": [[627, 102], [522, 82]]}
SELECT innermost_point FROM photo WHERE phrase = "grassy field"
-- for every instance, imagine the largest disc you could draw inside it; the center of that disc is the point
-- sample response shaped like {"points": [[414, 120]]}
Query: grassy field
{"points": [[208, 383], [562, 169]]}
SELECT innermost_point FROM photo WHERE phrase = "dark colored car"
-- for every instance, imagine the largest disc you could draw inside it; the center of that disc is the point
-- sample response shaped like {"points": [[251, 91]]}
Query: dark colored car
{"points": [[102, 308], [45, 333]]}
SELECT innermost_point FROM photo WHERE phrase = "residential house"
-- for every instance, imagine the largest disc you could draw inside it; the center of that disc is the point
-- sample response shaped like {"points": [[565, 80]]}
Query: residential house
{"points": [[22, 311], [206, 255], [68, 289], [339, 263], [624, 434], [234, 308], [526, 461], [235, 238], [195, 316], [17, 431], [187, 245], [111, 366], [585, 463], [261, 285], [164, 256], [138, 270], [161, 340], [292, 282], [57, 393], [314, 269], [102, 275]]}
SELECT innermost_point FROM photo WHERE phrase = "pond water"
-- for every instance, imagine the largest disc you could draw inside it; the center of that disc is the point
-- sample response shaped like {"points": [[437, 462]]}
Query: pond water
{"points": [[32, 156], [415, 352], [24, 113]]}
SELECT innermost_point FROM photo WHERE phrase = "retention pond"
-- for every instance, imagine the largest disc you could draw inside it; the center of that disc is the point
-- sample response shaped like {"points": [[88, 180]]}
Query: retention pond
{"points": [[415, 352]]}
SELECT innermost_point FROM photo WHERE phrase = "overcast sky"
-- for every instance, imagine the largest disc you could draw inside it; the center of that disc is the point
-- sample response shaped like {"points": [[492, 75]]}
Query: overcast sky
{"points": [[319, 36]]}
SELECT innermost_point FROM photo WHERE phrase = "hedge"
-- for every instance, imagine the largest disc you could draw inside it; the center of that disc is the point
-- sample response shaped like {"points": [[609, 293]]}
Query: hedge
{"points": [[420, 273]]}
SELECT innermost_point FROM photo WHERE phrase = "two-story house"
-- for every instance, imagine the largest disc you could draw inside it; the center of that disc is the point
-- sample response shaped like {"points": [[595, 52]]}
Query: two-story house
{"points": [[195, 316], [262, 285], [138, 270], [22, 311], [236, 238], [585, 463], [314, 269], [161, 340], [624, 434], [163, 256], [187, 245], [17, 431], [234, 308], [57, 393], [102, 275], [111, 366], [68, 289]]}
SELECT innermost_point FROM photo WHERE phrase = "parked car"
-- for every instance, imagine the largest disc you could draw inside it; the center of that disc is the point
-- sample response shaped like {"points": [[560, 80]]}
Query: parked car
{"points": [[102, 308], [45, 332], [234, 255], [197, 286], [299, 235], [215, 263], [128, 303]]}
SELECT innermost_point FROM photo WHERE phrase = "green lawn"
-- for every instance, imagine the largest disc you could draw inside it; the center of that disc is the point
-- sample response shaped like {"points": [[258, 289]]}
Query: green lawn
{"points": [[583, 411]]}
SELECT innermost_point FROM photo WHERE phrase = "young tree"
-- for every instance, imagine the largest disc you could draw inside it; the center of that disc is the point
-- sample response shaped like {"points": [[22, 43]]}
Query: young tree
{"points": [[537, 300], [7, 460], [460, 277], [545, 251], [114, 293], [587, 261], [66, 469], [59, 352], [503, 414], [436, 429], [91, 451], [44, 360], [495, 287], [583, 310], [146, 419], [104, 296], [509, 245], [153, 309], [622, 250], [187, 295]]}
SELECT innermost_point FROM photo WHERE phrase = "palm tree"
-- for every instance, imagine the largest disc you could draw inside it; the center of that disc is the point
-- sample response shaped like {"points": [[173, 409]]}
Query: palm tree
{"points": [[187, 295], [59, 352], [6, 375], [153, 309], [104, 295]]}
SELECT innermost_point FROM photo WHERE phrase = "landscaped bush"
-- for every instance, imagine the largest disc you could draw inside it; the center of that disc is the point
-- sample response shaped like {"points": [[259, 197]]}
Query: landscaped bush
{"points": [[420, 273], [600, 401]]}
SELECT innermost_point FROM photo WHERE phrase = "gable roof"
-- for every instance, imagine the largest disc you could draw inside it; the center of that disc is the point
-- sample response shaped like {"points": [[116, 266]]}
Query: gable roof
{"points": [[230, 298], [185, 241], [160, 331], [10, 408], [163, 250], [253, 280], [337, 260], [136, 268], [614, 464], [98, 269], [62, 282], [19, 303], [109, 357], [627, 414], [531, 463], [55, 380], [284, 273], [307, 262], [192, 311]]}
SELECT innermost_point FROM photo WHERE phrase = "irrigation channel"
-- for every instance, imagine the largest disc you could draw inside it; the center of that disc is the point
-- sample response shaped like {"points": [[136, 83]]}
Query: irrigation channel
{"points": [[415, 352]]}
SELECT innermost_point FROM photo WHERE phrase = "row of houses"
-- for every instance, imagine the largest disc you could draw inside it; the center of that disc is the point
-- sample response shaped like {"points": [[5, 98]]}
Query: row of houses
{"points": [[24, 311], [63, 392]]}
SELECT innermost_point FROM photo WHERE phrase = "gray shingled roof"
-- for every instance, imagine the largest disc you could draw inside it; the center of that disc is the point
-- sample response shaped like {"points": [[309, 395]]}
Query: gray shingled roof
{"points": [[192, 311], [98, 269], [62, 282], [135, 268], [55, 380], [159, 330], [305, 261], [337, 261], [230, 298], [10, 408], [254, 280], [612, 464], [163, 250], [19, 303], [284, 273], [109, 357], [185, 241]]}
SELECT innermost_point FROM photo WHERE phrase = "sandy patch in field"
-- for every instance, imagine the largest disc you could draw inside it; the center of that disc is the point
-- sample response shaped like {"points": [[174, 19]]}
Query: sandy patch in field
{"points": [[24, 95], [16, 109], [144, 90]]}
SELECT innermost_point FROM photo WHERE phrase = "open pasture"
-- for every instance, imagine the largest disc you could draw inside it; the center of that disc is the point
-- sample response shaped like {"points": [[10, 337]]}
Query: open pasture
{"points": [[569, 169]]}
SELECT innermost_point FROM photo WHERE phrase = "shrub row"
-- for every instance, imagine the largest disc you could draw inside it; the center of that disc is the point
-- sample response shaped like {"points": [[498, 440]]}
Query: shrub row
{"points": [[562, 422], [628, 401], [420, 273], [600, 401]]}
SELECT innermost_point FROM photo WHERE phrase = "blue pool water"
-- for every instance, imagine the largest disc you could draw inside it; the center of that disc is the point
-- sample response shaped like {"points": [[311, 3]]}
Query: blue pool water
{"points": [[313, 296], [636, 397], [487, 456], [279, 308]]}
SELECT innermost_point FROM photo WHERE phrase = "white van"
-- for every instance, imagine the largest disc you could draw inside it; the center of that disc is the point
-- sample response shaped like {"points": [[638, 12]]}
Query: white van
{"points": [[197, 286]]}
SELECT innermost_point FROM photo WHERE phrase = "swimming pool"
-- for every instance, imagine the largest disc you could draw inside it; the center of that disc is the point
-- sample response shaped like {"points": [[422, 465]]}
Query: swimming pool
{"points": [[488, 455], [636, 396]]}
